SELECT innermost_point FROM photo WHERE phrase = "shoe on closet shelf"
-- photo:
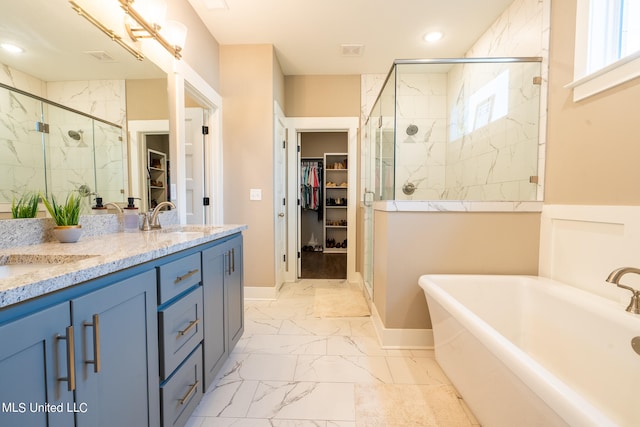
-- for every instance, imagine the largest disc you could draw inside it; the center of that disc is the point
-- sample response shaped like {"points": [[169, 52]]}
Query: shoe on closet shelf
{"points": [[331, 184]]}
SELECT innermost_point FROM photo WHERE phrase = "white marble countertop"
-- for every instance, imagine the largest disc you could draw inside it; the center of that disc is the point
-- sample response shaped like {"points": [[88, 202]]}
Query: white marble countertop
{"points": [[69, 264], [456, 206]]}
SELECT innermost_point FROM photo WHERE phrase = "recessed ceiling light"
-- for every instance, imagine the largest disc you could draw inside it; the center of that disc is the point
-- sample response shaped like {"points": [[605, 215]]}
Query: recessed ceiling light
{"points": [[433, 36], [11, 48]]}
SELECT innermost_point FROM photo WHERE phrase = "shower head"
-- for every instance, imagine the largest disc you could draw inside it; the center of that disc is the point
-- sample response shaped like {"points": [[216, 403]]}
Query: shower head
{"points": [[77, 135]]}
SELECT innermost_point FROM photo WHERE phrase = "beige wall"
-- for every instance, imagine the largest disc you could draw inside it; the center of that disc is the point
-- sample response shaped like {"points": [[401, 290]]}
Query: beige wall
{"points": [[315, 144], [278, 82], [147, 99], [410, 244], [593, 145], [247, 84], [201, 50], [322, 96]]}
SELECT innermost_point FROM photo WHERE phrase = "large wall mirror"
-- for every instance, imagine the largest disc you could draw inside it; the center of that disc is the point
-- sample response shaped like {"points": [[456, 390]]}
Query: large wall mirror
{"points": [[95, 88]]}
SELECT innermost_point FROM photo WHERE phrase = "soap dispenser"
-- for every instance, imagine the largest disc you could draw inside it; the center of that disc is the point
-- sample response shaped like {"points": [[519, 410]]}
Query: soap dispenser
{"points": [[99, 208], [131, 216]]}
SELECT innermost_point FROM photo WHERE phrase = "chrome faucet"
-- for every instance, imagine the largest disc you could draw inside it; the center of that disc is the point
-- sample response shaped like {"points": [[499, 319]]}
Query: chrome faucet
{"points": [[118, 208], [615, 276], [154, 223]]}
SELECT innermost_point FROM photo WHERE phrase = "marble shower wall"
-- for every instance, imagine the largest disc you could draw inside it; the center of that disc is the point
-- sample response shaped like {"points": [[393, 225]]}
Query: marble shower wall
{"points": [[21, 157], [70, 162], [421, 132], [522, 30], [437, 162], [100, 159], [493, 139]]}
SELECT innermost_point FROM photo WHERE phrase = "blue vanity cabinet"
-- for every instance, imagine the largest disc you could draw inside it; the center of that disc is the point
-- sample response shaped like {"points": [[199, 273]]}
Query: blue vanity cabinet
{"points": [[181, 326], [87, 356], [117, 354], [215, 342], [136, 347], [234, 287], [222, 280], [34, 360]]}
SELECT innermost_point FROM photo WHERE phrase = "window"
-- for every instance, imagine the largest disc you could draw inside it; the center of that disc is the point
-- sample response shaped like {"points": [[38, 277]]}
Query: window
{"points": [[487, 104], [607, 45]]}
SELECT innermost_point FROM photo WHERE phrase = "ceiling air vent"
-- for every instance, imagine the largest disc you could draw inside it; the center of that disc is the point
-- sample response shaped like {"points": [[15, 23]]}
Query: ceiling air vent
{"points": [[351, 49], [101, 56]]}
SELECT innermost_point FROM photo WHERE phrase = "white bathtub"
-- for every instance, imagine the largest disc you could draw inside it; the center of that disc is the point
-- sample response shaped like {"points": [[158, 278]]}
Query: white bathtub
{"points": [[530, 351]]}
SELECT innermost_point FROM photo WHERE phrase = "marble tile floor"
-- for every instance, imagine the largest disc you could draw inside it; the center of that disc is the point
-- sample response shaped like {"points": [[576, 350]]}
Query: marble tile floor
{"points": [[293, 369]]}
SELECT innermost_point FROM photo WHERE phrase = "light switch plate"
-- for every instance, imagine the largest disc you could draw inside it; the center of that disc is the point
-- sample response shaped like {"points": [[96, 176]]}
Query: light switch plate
{"points": [[255, 194]]}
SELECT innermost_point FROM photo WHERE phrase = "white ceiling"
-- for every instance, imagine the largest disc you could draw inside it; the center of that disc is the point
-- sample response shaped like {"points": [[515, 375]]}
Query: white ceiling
{"points": [[306, 34], [55, 39]]}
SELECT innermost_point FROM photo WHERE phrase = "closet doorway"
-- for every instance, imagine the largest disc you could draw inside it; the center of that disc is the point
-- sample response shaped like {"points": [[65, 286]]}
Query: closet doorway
{"points": [[322, 217]]}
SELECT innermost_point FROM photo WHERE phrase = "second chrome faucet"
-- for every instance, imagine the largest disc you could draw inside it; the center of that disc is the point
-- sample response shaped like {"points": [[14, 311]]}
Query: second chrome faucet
{"points": [[150, 220]]}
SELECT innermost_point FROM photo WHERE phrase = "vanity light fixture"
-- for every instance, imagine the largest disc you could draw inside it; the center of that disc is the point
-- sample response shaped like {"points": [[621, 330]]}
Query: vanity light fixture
{"points": [[11, 48], [110, 33], [138, 28], [433, 36]]}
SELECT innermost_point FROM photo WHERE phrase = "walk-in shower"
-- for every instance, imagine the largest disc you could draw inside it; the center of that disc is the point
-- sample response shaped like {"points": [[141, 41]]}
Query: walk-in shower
{"points": [[49, 147], [457, 129], [451, 132]]}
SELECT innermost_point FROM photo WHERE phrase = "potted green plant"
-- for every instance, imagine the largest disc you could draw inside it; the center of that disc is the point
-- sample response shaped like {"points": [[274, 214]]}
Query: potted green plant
{"points": [[66, 216], [26, 206]]}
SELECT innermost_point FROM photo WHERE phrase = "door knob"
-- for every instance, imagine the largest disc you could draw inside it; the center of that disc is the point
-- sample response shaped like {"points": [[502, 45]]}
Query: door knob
{"points": [[281, 214]]}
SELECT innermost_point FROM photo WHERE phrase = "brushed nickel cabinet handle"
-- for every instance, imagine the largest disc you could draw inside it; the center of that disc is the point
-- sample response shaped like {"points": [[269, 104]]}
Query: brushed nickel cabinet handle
{"points": [[192, 390], [71, 360], [233, 260], [188, 328], [186, 276], [96, 343]]}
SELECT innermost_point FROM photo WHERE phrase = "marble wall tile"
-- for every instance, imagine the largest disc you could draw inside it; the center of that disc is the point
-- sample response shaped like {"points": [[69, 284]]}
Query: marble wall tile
{"points": [[21, 158], [28, 83], [522, 30], [71, 163], [105, 99]]}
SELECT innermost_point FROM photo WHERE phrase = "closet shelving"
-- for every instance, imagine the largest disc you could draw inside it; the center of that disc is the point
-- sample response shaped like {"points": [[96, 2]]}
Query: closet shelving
{"points": [[157, 166], [335, 206]]}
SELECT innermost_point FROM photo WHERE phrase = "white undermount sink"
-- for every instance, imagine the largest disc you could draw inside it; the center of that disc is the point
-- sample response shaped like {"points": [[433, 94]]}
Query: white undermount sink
{"points": [[15, 265]]}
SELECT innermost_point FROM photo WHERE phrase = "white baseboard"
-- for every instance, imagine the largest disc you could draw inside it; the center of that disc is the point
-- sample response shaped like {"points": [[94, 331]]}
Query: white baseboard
{"points": [[260, 292], [421, 339]]}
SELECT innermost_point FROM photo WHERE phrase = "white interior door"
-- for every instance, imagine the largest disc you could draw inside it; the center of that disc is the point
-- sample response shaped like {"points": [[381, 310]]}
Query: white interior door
{"points": [[280, 202], [194, 165]]}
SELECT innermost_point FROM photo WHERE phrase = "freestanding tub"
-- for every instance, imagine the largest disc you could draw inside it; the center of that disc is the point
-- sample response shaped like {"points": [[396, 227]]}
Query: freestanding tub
{"points": [[530, 351]]}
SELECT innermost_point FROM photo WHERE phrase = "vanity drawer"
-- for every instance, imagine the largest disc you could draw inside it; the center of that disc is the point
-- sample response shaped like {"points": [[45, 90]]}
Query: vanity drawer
{"points": [[178, 276], [181, 394], [181, 330]]}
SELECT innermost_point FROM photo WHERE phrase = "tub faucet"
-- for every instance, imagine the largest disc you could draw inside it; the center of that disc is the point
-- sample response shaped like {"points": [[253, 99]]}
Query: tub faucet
{"points": [[615, 276], [154, 223]]}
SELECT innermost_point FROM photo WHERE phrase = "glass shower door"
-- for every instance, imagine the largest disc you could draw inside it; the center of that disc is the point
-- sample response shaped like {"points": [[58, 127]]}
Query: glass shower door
{"points": [[368, 159]]}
